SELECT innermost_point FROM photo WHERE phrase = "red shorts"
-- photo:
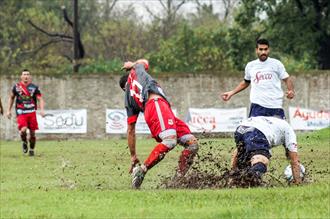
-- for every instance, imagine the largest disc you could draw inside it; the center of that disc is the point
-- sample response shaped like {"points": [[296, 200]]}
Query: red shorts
{"points": [[28, 120], [159, 117]]}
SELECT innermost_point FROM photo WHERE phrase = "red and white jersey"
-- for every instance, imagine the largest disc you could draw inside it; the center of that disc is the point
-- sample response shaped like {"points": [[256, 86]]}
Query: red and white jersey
{"points": [[277, 131], [138, 87], [265, 80], [26, 97]]}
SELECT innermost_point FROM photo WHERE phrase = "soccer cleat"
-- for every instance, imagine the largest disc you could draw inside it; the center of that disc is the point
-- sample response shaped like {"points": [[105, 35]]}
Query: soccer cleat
{"points": [[138, 176], [25, 147], [31, 153]]}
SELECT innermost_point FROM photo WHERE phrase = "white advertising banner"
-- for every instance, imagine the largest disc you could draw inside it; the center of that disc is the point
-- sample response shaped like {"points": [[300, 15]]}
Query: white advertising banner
{"points": [[63, 121], [116, 122], [215, 120], [307, 119]]}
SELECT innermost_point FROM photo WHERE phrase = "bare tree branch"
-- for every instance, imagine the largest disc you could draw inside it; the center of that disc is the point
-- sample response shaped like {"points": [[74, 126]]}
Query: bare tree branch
{"points": [[198, 3], [112, 5], [44, 45], [49, 34], [81, 49], [227, 5], [162, 4], [179, 6], [152, 14], [66, 17]]}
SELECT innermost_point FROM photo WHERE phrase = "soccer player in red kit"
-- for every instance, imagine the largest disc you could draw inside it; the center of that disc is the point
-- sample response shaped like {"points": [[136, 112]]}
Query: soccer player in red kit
{"points": [[27, 94], [143, 94]]}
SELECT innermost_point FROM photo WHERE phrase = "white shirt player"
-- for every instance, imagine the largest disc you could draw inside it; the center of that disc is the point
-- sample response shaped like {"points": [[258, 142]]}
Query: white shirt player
{"points": [[265, 80], [277, 131]]}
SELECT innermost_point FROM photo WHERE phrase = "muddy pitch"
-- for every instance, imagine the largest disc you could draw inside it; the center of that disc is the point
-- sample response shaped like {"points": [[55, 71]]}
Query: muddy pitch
{"points": [[211, 171]]}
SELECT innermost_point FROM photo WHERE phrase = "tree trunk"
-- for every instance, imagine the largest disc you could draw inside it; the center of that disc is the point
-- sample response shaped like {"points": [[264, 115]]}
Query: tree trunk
{"points": [[323, 53], [75, 37]]}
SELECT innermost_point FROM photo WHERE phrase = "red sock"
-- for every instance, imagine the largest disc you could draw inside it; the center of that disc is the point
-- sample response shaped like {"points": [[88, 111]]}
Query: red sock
{"points": [[185, 161], [156, 155]]}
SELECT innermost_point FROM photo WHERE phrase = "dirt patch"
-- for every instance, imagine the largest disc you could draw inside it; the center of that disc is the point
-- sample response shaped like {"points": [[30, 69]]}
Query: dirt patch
{"points": [[211, 171]]}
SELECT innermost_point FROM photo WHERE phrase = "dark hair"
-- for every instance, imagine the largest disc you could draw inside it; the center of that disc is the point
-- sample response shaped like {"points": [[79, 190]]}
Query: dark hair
{"points": [[122, 81], [25, 69], [262, 42]]}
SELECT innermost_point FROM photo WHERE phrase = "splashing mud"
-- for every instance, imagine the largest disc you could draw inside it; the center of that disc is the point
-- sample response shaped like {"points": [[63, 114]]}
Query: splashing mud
{"points": [[211, 170]]}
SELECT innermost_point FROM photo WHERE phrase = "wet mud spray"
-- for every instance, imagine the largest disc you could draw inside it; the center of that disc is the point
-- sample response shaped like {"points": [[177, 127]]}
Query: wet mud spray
{"points": [[211, 171]]}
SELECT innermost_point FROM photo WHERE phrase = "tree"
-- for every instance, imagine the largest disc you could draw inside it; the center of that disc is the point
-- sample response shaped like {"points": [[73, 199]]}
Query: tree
{"points": [[205, 15], [228, 6], [299, 27], [169, 18], [201, 49], [319, 24], [78, 48]]}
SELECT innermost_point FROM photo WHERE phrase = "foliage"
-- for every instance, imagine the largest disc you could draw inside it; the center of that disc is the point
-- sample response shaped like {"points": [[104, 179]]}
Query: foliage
{"points": [[199, 42], [89, 179], [100, 66], [193, 50], [299, 29]]}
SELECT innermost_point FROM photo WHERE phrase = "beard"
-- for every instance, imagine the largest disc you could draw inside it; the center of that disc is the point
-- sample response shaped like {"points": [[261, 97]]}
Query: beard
{"points": [[263, 57]]}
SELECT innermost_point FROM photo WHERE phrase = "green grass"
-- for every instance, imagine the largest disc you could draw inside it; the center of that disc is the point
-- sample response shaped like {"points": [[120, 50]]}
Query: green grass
{"points": [[89, 179]]}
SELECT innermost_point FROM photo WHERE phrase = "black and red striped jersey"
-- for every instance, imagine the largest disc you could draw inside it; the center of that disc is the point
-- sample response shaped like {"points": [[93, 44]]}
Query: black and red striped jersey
{"points": [[139, 85], [26, 97]]}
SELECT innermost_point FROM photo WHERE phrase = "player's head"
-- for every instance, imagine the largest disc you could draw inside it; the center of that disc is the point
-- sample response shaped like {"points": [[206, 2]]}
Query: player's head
{"points": [[26, 76], [122, 81], [127, 65], [144, 62], [262, 49]]}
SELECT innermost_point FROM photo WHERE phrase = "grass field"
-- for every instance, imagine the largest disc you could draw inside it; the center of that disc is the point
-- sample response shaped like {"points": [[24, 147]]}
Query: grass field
{"points": [[89, 179]]}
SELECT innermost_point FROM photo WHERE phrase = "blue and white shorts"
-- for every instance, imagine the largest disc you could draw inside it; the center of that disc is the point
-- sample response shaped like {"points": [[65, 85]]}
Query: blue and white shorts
{"points": [[249, 142], [257, 110]]}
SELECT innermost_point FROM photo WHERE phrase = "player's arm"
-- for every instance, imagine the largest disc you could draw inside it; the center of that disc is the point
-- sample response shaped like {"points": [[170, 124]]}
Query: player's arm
{"points": [[41, 105], [1, 108], [290, 88], [292, 147], [295, 167], [131, 140], [233, 162], [10, 104], [241, 86]]}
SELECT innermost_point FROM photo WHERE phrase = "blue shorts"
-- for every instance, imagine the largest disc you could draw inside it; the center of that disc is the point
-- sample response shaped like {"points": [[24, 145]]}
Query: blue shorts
{"points": [[257, 110], [249, 142]]}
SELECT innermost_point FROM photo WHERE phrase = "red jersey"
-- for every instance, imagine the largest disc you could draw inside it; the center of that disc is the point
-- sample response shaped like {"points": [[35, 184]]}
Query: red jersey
{"points": [[138, 87], [26, 97]]}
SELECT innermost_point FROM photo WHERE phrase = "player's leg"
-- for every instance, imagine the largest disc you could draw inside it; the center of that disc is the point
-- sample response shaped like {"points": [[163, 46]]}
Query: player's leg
{"points": [[259, 163], [22, 127], [161, 122], [32, 125], [168, 142], [258, 150], [162, 125], [190, 144], [32, 142], [252, 156]]}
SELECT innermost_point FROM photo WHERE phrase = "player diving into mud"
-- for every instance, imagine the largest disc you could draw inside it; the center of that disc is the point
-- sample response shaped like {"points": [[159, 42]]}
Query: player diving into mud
{"points": [[143, 94], [254, 138]]}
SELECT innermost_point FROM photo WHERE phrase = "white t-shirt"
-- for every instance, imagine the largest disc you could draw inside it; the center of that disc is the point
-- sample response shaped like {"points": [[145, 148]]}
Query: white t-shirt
{"points": [[265, 80], [277, 131]]}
